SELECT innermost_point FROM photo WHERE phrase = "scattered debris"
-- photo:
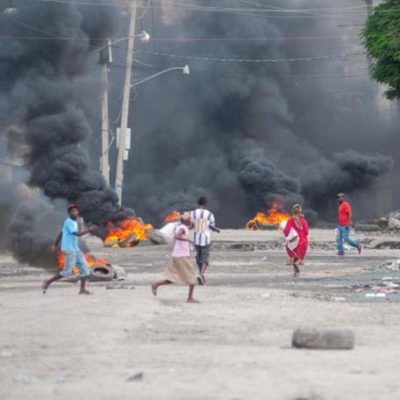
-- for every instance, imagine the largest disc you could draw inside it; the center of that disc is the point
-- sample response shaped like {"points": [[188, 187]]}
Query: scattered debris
{"points": [[62, 379], [393, 223], [367, 228], [356, 371], [119, 273], [370, 295], [27, 379], [385, 244], [391, 265], [112, 286], [324, 339], [136, 377], [392, 285], [386, 290], [338, 298], [6, 354]]}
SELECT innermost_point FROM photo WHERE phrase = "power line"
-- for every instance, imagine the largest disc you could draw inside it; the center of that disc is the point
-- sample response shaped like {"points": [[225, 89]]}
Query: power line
{"points": [[248, 39], [212, 8], [240, 10], [284, 77], [239, 60], [31, 27], [193, 39]]}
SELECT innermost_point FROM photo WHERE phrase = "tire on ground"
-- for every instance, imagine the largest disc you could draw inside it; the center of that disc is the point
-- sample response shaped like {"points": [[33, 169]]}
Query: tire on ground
{"points": [[156, 237], [101, 273], [130, 241]]}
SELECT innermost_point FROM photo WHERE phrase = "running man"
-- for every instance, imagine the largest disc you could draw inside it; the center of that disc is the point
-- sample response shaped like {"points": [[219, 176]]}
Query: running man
{"points": [[72, 253], [203, 222], [344, 226]]}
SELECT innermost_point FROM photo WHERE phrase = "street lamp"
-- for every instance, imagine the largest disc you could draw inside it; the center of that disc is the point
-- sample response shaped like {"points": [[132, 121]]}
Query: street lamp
{"points": [[10, 10], [124, 137], [185, 71], [144, 36]]}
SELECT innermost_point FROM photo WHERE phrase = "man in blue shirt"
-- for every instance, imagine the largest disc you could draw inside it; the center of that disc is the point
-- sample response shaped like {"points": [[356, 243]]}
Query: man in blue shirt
{"points": [[70, 248]]}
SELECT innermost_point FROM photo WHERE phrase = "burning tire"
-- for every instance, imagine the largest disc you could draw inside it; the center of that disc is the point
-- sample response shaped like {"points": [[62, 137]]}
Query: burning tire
{"points": [[266, 227], [156, 237], [101, 273], [111, 243], [130, 241]]}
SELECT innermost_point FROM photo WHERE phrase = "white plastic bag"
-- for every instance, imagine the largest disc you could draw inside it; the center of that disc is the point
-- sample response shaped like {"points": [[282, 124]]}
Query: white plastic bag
{"points": [[168, 231], [292, 239]]}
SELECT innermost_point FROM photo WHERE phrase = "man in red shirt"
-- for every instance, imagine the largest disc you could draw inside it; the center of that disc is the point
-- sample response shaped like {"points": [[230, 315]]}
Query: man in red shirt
{"points": [[344, 227]]}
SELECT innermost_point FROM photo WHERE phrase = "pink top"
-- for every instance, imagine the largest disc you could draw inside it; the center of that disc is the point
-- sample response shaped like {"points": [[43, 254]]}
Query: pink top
{"points": [[181, 247]]}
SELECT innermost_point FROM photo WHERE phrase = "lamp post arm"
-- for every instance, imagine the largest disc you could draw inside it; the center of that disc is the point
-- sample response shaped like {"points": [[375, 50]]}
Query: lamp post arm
{"points": [[157, 74]]}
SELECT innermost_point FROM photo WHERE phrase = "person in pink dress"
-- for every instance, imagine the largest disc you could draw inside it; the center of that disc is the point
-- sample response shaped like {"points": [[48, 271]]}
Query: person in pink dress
{"points": [[296, 233], [180, 270]]}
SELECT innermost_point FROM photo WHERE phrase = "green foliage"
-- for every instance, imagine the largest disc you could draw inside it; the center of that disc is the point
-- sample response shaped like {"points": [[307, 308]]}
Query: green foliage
{"points": [[381, 38]]}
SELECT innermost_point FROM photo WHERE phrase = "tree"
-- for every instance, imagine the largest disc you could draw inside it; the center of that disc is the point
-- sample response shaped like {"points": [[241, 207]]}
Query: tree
{"points": [[381, 38]]}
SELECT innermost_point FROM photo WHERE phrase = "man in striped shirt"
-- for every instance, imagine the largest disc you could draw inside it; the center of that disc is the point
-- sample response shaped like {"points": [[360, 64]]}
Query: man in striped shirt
{"points": [[203, 223]]}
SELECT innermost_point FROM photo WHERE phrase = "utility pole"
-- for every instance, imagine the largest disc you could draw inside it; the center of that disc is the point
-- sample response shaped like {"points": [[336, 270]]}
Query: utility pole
{"points": [[105, 59], [119, 177]]}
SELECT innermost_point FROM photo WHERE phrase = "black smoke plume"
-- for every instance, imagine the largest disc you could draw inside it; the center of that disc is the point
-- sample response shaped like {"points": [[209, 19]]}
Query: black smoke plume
{"points": [[248, 132], [47, 53]]}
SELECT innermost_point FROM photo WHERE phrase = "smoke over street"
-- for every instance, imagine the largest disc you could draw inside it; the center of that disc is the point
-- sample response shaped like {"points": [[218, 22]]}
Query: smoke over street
{"points": [[269, 113], [254, 131]]}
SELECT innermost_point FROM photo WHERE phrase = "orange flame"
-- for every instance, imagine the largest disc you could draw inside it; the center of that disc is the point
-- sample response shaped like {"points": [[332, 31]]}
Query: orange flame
{"points": [[173, 216], [91, 260], [126, 233], [274, 216]]}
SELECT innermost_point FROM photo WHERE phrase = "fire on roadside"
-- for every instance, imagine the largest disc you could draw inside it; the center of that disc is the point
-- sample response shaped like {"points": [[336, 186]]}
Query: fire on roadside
{"points": [[173, 216], [274, 216], [126, 233], [90, 259]]}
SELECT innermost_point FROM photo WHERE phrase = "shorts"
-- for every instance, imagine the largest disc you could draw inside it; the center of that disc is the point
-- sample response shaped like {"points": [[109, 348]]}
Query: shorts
{"points": [[75, 258], [202, 255]]}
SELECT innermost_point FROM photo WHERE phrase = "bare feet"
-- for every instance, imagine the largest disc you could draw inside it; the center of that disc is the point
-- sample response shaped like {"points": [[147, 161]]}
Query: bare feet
{"points": [[296, 271], [85, 292], [192, 301], [45, 285], [154, 289], [201, 281]]}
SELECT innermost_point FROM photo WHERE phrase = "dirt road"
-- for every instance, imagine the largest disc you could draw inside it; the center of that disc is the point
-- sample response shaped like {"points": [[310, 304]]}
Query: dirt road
{"points": [[124, 343]]}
